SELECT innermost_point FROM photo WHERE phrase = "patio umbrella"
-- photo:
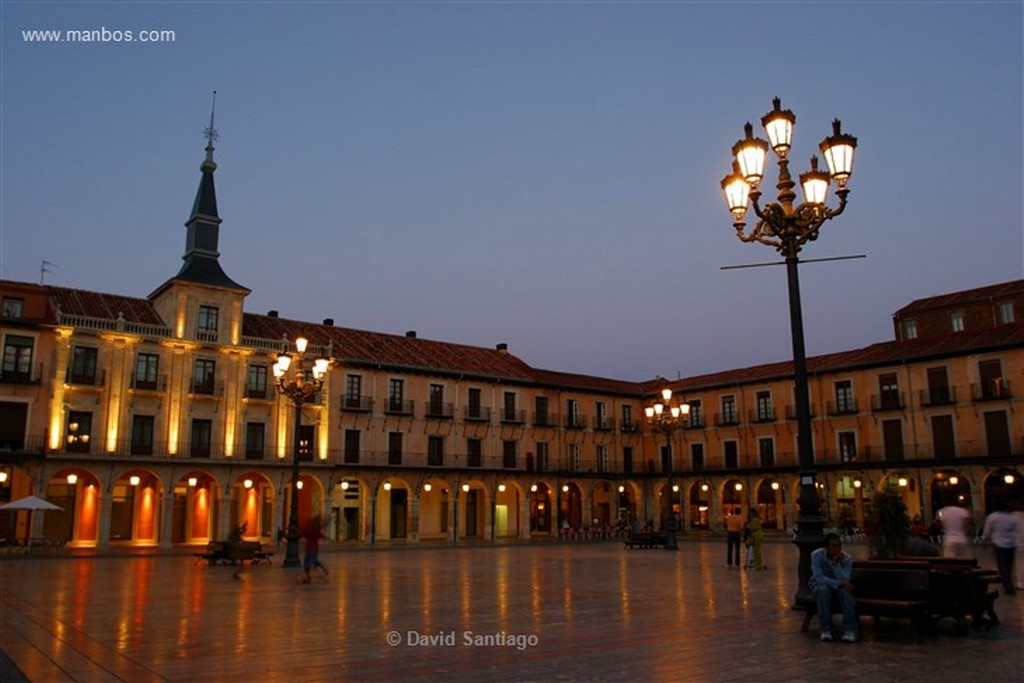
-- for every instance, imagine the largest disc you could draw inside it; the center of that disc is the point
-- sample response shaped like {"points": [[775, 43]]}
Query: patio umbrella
{"points": [[30, 503]]}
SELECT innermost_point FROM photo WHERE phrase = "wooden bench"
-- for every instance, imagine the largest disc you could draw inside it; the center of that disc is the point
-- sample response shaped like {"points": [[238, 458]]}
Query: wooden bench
{"points": [[652, 539], [234, 552], [897, 588]]}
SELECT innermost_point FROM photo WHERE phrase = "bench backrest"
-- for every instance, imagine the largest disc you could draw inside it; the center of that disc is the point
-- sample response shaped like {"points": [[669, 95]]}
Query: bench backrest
{"points": [[891, 583]]}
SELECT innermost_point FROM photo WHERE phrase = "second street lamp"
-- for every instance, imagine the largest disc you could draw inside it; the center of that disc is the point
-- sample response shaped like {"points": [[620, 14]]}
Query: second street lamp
{"points": [[300, 380], [666, 418], [787, 228]]}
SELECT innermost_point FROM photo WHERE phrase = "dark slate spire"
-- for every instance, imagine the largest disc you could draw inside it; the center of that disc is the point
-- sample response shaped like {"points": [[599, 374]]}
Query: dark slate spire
{"points": [[203, 226]]}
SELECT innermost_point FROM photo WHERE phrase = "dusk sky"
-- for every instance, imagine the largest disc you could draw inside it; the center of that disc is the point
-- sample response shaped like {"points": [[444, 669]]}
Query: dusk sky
{"points": [[544, 174]]}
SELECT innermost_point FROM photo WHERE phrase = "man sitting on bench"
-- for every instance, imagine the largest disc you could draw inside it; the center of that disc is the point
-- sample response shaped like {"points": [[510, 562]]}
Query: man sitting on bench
{"points": [[831, 570]]}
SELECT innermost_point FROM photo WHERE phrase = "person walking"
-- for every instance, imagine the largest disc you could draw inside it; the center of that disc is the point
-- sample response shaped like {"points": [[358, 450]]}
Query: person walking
{"points": [[1001, 531], [955, 529], [312, 535], [1018, 559], [754, 537], [733, 537]]}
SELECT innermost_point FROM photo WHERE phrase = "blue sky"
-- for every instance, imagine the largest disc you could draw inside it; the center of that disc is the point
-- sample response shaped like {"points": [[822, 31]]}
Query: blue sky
{"points": [[543, 174]]}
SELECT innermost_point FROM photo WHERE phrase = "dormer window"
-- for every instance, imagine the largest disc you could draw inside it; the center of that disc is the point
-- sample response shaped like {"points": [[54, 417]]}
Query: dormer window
{"points": [[208, 323], [910, 329], [956, 321], [12, 307]]}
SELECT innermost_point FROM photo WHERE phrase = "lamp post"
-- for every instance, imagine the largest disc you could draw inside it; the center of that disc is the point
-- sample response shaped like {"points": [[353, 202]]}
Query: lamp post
{"points": [[787, 228], [299, 379], [666, 418]]}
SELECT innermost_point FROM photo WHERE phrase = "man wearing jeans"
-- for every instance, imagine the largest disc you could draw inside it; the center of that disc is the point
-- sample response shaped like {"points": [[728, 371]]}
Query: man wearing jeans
{"points": [[831, 570]]}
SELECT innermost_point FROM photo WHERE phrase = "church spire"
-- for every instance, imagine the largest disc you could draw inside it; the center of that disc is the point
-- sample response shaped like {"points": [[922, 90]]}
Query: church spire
{"points": [[205, 205], [203, 225]]}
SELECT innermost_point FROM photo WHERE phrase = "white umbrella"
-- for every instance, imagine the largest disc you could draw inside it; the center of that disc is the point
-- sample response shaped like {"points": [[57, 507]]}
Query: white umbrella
{"points": [[30, 503]]}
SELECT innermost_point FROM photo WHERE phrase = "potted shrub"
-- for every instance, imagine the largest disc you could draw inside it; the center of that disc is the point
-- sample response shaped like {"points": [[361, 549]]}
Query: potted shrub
{"points": [[889, 524]]}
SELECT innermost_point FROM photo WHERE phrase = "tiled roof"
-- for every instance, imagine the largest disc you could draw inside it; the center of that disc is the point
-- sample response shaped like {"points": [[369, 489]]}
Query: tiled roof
{"points": [[880, 354], [376, 348], [1002, 290], [584, 382], [107, 306], [361, 347]]}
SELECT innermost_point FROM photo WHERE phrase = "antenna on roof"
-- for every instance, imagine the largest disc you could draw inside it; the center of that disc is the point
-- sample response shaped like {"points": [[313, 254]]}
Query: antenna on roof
{"points": [[43, 270]]}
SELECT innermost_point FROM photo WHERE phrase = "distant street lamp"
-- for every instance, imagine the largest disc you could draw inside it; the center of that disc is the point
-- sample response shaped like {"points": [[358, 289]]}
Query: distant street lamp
{"points": [[300, 380], [666, 418], [787, 229]]}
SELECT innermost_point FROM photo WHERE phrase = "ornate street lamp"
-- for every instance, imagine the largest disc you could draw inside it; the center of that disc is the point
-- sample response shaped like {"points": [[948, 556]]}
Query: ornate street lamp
{"points": [[787, 228], [665, 417], [300, 380]]}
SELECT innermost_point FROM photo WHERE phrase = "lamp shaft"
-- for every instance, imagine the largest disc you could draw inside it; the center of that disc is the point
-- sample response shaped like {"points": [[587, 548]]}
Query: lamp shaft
{"points": [[810, 524], [291, 557]]}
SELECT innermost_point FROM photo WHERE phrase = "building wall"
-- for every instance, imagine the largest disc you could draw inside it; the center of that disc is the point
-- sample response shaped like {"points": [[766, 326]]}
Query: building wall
{"points": [[582, 475]]}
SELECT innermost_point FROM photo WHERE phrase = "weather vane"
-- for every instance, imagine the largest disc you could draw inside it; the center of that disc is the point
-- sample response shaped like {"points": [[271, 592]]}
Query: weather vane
{"points": [[210, 132]]}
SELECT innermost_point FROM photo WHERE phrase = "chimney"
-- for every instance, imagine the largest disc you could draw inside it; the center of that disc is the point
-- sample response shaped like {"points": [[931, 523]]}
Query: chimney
{"points": [[502, 348], [328, 322], [271, 314], [411, 334]]}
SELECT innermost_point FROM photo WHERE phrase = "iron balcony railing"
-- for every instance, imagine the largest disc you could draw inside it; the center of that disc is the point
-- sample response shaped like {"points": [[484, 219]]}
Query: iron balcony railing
{"points": [[991, 390], [357, 404], [439, 410], [476, 414], [33, 375], [890, 400], [938, 396], [844, 406], [96, 378], [513, 416]]}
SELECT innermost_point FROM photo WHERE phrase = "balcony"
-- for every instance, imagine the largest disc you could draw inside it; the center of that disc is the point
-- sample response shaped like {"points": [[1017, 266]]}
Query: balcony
{"points": [[396, 406], [728, 419], [477, 414], [575, 422], [545, 419], [629, 426], [206, 387], [157, 384], [890, 400], [603, 423], [938, 396], [845, 406], [29, 376], [356, 404], [438, 410], [86, 379], [991, 390], [258, 393], [762, 415], [513, 416], [695, 421]]}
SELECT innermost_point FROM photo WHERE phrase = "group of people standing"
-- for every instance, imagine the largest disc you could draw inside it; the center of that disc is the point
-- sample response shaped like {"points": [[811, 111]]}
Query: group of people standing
{"points": [[747, 533]]}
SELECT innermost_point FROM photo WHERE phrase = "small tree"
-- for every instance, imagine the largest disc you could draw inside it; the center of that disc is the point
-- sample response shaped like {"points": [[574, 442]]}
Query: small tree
{"points": [[889, 524]]}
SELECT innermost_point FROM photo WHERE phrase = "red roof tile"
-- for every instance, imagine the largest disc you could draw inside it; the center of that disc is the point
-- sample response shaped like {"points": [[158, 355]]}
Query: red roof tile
{"points": [[107, 306], [1002, 290]]}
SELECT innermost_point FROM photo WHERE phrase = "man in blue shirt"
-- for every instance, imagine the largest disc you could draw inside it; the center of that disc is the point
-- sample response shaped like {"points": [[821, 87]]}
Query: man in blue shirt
{"points": [[831, 570]]}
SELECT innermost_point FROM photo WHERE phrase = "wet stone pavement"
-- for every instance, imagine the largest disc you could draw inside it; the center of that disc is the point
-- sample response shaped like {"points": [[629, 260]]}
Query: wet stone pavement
{"points": [[522, 612]]}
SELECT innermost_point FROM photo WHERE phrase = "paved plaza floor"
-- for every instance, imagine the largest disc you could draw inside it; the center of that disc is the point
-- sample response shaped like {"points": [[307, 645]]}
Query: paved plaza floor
{"points": [[522, 612]]}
